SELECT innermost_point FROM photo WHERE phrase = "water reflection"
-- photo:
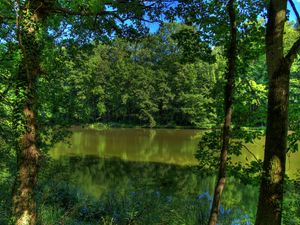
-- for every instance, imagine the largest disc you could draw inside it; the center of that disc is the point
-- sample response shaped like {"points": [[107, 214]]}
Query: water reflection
{"points": [[140, 162], [168, 146], [149, 145], [100, 177], [255, 151], [158, 161]]}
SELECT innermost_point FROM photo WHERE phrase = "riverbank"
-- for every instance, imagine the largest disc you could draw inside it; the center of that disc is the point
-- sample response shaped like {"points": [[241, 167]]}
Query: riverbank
{"points": [[106, 125]]}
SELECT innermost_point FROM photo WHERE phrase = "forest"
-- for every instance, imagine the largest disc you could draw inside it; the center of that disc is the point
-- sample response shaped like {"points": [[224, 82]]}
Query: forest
{"points": [[131, 112]]}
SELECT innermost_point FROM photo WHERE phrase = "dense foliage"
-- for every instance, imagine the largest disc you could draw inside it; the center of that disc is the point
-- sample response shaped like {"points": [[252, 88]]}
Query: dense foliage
{"points": [[104, 69], [143, 82]]}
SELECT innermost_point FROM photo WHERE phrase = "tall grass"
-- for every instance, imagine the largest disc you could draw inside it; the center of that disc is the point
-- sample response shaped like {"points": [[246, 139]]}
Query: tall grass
{"points": [[67, 205]]}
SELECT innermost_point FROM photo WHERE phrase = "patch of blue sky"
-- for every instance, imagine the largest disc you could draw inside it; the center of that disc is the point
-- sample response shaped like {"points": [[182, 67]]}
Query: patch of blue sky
{"points": [[292, 14], [154, 26], [64, 32]]}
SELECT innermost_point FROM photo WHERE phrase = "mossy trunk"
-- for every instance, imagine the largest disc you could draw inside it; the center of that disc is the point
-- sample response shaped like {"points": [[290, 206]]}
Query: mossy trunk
{"points": [[24, 210]]}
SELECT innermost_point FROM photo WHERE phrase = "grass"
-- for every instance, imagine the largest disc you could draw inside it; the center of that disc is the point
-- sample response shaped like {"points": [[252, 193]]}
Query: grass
{"points": [[144, 207], [65, 204]]}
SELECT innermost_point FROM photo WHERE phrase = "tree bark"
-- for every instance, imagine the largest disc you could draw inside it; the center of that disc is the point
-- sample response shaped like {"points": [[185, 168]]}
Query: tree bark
{"points": [[269, 211], [24, 210], [230, 76]]}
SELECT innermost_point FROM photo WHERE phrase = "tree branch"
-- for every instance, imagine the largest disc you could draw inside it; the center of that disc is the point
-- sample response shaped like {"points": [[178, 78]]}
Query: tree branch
{"points": [[292, 53], [290, 57], [65, 11], [137, 4], [295, 10], [248, 150]]}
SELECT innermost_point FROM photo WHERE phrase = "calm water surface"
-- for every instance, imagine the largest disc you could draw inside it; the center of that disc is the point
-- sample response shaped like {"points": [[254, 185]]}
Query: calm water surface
{"points": [[128, 160], [139, 145], [168, 146]]}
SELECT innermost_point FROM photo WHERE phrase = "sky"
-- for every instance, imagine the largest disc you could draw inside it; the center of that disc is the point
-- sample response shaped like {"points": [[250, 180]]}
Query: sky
{"points": [[292, 15], [155, 26]]}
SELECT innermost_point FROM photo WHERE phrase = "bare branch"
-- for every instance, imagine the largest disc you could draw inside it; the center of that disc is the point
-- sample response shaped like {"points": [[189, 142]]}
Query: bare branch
{"points": [[290, 57], [248, 150], [295, 10]]}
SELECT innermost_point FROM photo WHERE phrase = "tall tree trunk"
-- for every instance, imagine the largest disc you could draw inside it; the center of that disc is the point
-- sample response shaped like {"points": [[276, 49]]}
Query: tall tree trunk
{"points": [[269, 209], [230, 76], [24, 205]]}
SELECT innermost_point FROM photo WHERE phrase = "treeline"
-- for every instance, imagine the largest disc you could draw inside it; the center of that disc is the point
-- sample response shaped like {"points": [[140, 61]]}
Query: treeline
{"points": [[145, 82], [148, 82], [155, 80]]}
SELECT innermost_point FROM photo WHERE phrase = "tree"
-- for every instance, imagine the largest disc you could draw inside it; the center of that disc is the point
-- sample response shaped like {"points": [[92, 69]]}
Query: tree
{"points": [[144, 81], [269, 209], [230, 76], [33, 25], [27, 151]]}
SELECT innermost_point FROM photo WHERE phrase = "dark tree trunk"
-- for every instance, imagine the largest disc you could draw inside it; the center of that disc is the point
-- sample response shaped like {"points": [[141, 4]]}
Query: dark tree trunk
{"points": [[230, 76], [271, 189], [269, 211], [24, 205]]}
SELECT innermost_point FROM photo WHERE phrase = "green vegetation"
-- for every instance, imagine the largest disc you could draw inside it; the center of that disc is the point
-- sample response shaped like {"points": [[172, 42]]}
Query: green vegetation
{"points": [[140, 82], [165, 200], [94, 63]]}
